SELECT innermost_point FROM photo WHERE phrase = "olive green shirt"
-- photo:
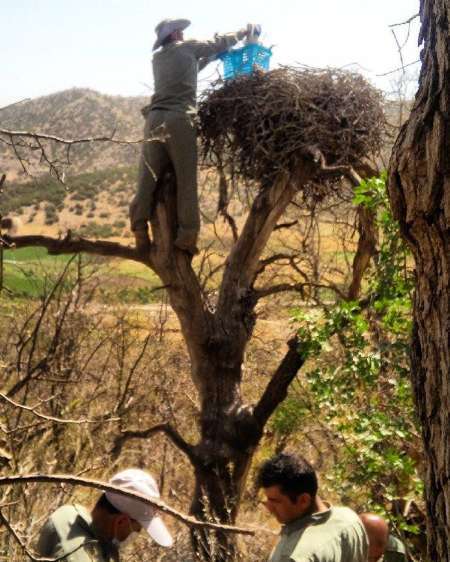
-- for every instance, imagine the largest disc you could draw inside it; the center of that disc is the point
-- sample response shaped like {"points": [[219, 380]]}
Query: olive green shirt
{"points": [[395, 551], [68, 531], [335, 535], [175, 69]]}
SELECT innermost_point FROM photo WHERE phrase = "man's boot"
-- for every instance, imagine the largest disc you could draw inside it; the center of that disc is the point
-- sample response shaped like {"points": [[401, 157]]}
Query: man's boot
{"points": [[142, 240]]}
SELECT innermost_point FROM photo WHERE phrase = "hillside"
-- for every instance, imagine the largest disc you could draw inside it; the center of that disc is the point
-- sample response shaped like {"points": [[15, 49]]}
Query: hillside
{"points": [[78, 113]]}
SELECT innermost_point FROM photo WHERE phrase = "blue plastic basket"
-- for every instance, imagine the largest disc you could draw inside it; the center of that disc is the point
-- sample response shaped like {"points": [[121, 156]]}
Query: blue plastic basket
{"points": [[245, 60]]}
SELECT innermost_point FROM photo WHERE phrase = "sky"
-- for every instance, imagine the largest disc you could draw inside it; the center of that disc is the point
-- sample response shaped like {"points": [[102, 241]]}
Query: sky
{"points": [[52, 45]]}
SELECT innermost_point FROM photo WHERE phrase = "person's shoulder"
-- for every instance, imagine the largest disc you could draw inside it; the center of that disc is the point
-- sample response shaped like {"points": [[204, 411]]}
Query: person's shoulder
{"points": [[66, 511], [70, 514], [344, 513]]}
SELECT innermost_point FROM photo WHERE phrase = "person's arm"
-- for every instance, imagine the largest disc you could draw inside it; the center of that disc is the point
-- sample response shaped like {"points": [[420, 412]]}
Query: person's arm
{"points": [[205, 61], [221, 43]]}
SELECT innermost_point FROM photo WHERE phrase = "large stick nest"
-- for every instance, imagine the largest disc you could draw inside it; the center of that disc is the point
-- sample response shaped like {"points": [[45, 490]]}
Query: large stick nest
{"points": [[261, 124]]}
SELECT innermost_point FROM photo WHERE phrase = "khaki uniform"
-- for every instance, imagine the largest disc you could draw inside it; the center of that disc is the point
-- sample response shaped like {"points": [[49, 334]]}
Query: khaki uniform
{"points": [[68, 531], [395, 551], [335, 535], [175, 69]]}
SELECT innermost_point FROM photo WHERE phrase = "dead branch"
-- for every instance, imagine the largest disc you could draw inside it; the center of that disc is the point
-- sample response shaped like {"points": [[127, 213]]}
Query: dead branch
{"points": [[75, 244], [293, 287], [166, 428], [33, 410], [70, 142], [406, 22], [105, 487], [38, 143]]}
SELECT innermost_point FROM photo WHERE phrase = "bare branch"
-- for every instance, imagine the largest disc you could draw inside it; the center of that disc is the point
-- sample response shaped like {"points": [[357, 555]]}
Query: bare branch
{"points": [[75, 244], [406, 22], [294, 287], [399, 68], [286, 225], [272, 259], [37, 142], [347, 171], [32, 410], [70, 142], [105, 487], [276, 390], [166, 428]]}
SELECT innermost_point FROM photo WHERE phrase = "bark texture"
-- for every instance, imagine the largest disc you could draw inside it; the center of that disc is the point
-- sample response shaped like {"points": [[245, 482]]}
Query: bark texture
{"points": [[419, 189]]}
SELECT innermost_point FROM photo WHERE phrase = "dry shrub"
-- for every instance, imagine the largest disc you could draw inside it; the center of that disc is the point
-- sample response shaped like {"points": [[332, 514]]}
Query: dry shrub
{"points": [[262, 124]]}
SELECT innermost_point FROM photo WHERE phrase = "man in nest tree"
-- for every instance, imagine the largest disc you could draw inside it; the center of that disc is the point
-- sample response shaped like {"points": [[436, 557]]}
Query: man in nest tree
{"points": [[170, 116]]}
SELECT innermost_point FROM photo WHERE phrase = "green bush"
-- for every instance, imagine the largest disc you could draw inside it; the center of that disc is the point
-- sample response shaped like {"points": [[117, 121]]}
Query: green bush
{"points": [[357, 386]]}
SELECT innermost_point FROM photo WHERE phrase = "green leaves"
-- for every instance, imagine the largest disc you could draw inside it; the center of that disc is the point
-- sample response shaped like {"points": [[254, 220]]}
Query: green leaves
{"points": [[357, 384]]}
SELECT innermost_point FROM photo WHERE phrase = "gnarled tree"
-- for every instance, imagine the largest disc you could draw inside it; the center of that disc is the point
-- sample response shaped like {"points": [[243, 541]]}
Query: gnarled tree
{"points": [[291, 134], [419, 189]]}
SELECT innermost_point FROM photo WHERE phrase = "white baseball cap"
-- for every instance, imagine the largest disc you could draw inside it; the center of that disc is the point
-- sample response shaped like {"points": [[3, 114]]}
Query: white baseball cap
{"points": [[135, 480]]}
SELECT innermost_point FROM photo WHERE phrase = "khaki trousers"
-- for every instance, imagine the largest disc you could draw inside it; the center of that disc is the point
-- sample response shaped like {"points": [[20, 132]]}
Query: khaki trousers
{"points": [[180, 148]]}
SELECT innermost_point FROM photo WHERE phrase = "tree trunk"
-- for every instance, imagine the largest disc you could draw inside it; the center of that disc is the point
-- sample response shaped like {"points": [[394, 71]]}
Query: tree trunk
{"points": [[219, 482], [419, 189]]}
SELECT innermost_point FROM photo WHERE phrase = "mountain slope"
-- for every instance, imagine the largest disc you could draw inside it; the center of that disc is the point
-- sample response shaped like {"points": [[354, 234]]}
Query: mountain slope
{"points": [[78, 113]]}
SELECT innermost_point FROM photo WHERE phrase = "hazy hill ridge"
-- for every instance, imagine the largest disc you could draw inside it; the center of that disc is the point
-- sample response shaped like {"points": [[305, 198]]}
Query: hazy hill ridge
{"points": [[79, 113]]}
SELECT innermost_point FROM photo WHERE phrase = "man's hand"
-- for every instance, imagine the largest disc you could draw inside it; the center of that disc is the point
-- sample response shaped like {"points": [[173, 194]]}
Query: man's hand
{"points": [[253, 31]]}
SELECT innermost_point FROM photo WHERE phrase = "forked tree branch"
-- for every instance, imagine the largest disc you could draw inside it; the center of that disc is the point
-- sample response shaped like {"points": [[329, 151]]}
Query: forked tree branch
{"points": [[166, 428]]}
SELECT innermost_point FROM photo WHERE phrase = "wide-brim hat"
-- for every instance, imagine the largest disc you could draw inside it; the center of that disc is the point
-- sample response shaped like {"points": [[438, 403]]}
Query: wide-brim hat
{"points": [[136, 480], [166, 27]]}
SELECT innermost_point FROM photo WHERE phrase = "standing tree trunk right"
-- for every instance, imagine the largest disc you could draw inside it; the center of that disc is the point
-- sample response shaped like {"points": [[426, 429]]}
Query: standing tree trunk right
{"points": [[419, 190]]}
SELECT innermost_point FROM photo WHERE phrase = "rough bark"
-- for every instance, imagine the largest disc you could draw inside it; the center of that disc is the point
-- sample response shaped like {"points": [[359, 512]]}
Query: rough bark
{"points": [[419, 189]]}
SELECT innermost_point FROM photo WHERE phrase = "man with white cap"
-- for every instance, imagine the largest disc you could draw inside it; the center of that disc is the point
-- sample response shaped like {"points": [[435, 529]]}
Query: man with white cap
{"points": [[175, 67], [74, 534]]}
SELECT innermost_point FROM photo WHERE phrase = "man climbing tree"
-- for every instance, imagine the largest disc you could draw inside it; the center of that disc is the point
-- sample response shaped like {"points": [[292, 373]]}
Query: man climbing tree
{"points": [[175, 67]]}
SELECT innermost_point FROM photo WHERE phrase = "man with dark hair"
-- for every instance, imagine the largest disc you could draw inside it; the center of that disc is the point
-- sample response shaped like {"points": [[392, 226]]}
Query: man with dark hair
{"points": [[74, 534], [383, 547], [313, 531], [176, 64]]}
